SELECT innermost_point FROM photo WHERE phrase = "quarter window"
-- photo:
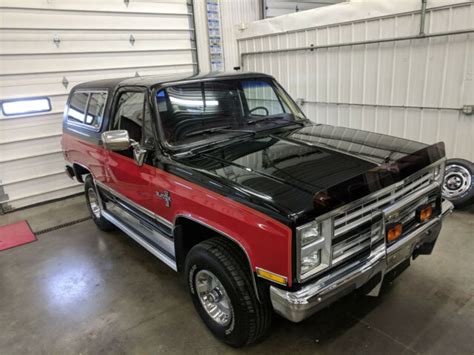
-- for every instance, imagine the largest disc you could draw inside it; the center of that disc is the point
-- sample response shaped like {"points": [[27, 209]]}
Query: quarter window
{"points": [[95, 110], [87, 108]]}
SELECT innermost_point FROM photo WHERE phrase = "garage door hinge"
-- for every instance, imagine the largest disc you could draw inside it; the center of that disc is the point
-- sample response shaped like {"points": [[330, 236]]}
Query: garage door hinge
{"points": [[132, 40], [56, 40], [65, 82], [126, 2]]}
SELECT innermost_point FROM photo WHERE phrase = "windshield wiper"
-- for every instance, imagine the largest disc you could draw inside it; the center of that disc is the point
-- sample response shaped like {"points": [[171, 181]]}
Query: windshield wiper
{"points": [[260, 119], [265, 118], [208, 130]]}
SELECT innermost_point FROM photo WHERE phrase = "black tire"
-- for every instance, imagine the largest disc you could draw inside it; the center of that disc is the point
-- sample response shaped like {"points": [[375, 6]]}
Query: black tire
{"points": [[458, 184], [99, 220], [250, 319]]}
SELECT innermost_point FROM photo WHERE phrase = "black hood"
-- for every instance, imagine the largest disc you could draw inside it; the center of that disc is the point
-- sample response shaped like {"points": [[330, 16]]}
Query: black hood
{"points": [[309, 171]]}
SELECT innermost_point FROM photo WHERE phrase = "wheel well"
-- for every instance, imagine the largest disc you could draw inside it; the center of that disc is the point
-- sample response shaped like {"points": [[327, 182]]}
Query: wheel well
{"points": [[79, 172], [189, 233]]}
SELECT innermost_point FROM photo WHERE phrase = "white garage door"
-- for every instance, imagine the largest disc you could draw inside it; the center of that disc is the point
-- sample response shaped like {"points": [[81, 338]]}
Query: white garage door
{"points": [[48, 46]]}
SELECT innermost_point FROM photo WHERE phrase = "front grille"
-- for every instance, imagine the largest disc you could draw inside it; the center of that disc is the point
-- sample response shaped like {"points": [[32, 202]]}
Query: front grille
{"points": [[359, 229]]}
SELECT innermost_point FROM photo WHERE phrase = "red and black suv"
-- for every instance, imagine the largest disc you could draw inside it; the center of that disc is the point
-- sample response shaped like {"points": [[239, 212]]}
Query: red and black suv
{"points": [[222, 177]]}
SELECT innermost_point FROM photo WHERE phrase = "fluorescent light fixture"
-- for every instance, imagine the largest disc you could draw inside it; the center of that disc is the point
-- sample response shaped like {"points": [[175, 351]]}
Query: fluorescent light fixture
{"points": [[25, 106]]}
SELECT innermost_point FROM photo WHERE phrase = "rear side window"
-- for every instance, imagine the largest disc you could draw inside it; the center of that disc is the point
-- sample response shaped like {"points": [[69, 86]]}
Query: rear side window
{"points": [[87, 108]]}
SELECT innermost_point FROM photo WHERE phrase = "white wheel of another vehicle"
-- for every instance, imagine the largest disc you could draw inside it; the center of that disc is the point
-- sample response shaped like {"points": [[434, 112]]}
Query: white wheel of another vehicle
{"points": [[458, 184]]}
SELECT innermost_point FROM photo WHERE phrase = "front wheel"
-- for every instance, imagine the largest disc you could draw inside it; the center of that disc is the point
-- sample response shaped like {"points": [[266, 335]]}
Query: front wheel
{"points": [[222, 292]]}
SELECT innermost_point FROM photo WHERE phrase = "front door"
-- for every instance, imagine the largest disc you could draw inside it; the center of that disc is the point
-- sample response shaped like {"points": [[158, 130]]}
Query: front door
{"points": [[123, 174]]}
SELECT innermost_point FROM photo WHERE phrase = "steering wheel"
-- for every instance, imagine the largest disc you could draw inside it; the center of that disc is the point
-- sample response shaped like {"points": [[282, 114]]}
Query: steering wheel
{"points": [[267, 113]]}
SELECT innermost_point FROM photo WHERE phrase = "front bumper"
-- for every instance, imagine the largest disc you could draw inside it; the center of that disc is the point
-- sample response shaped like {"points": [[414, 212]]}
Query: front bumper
{"points": [[296, 306]]}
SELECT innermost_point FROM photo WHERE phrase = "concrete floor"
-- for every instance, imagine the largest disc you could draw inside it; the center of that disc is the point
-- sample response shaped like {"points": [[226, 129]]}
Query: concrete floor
{"points": [[79, 290]]}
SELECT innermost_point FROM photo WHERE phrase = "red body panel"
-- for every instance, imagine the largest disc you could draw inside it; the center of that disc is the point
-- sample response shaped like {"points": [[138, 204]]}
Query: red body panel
{"points": [[266, 241]]}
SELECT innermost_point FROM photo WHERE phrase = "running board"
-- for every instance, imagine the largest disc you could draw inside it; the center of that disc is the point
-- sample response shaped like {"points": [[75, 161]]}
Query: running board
{"points": [[163, 257]]}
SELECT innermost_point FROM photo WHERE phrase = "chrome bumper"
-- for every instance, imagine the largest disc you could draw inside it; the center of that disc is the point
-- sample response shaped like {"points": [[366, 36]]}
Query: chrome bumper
{"points": [[296, 306]]}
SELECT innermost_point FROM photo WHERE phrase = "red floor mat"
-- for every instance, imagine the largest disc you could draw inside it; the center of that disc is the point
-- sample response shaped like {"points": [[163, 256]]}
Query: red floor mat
{"points": [[15, 234]]}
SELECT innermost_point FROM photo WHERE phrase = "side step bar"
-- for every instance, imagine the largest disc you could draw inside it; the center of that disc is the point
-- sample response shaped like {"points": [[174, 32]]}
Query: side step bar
{"points": [[130, 232]]}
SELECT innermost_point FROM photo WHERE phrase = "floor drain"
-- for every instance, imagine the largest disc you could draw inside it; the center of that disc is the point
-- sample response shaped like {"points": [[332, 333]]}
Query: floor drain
{"points": [[59, 226]]}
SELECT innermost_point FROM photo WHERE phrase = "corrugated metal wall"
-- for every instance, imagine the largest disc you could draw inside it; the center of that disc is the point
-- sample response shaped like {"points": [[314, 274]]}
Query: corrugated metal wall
{"points": [[233, 15], [94, 40], [412, 88], [282, 7]]}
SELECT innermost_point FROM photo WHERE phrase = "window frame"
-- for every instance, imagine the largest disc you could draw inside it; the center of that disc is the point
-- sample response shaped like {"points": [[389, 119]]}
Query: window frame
{"points": [[89, 93]]}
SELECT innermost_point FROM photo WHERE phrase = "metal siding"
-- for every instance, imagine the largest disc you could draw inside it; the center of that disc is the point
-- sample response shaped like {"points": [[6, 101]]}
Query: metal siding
{"points": [[233, 14], [361, 86], [94, 44], [280, 7]]}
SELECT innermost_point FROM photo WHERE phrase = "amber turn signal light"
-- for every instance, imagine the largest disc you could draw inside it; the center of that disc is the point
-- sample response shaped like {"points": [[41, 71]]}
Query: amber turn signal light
{"points": [[425, 213], [394, 232]]}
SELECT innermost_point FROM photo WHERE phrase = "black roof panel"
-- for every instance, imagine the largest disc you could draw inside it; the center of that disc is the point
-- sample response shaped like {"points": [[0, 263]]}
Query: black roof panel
{"points": [[152, 81]]}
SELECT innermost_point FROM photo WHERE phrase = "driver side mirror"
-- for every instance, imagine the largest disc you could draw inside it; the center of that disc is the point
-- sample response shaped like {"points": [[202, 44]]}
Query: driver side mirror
{"points": [[116, 140], [119, 140]]}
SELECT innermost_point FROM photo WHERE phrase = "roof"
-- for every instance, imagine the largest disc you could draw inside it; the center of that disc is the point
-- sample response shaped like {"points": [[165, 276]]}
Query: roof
{"points": [[153, 81]]}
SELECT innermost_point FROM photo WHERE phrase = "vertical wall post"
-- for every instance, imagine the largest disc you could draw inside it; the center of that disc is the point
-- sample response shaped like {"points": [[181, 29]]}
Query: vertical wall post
{"points": [[423, 17], [192, 27]]}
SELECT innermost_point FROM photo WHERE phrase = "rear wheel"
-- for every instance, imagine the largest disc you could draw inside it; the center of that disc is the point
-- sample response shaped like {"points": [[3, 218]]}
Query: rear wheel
{"points": [[222, 291], [94, 205], [458, 185]]}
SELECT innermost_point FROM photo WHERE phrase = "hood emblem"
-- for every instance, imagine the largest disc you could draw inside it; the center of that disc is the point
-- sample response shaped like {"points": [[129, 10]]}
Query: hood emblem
{"points": [[165, 195]]}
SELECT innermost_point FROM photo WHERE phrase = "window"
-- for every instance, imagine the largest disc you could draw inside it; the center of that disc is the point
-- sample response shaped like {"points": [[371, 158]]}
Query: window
{"points": [[25, 106], [262, 99], [206, 111], [133, 115], [129, 115], [91, 102], [95, 110]]}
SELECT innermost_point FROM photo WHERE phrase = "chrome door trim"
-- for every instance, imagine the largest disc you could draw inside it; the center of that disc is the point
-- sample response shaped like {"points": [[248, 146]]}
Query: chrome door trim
{"points": [[160, 255], [135, 205]]}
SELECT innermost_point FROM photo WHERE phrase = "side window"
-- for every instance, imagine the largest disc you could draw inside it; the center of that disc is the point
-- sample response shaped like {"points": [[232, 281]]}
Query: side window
{"points": [[95, 110], [129, 114], [87, 108], [133, 114], [77, 107]]}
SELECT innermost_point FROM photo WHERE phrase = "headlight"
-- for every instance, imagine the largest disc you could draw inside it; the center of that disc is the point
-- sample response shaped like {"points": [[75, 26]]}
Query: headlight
{"points": [[314, 243], [309, 234]]}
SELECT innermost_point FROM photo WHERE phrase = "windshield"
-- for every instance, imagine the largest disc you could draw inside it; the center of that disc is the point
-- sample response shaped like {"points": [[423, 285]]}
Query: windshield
{"points": [[209, 110]]}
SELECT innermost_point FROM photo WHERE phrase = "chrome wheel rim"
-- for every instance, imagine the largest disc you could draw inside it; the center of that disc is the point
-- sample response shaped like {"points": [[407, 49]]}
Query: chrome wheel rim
{"points": [[457, 180], [93, 202], [213, 297]]}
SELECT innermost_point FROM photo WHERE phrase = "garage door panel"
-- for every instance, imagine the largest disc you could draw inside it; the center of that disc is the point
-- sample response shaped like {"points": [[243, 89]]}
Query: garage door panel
{"points": [[51, 84], [18, 64], [37, 126], [47, 19], [49, 46], [170, 6], [41, 196], [48, 182], [17, 170], [28, 42], [29, 148]]}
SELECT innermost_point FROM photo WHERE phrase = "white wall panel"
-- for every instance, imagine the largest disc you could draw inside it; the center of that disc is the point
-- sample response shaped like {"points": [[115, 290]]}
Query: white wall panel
{"points": [[412, 88], [233, 15], [44, 42]]}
